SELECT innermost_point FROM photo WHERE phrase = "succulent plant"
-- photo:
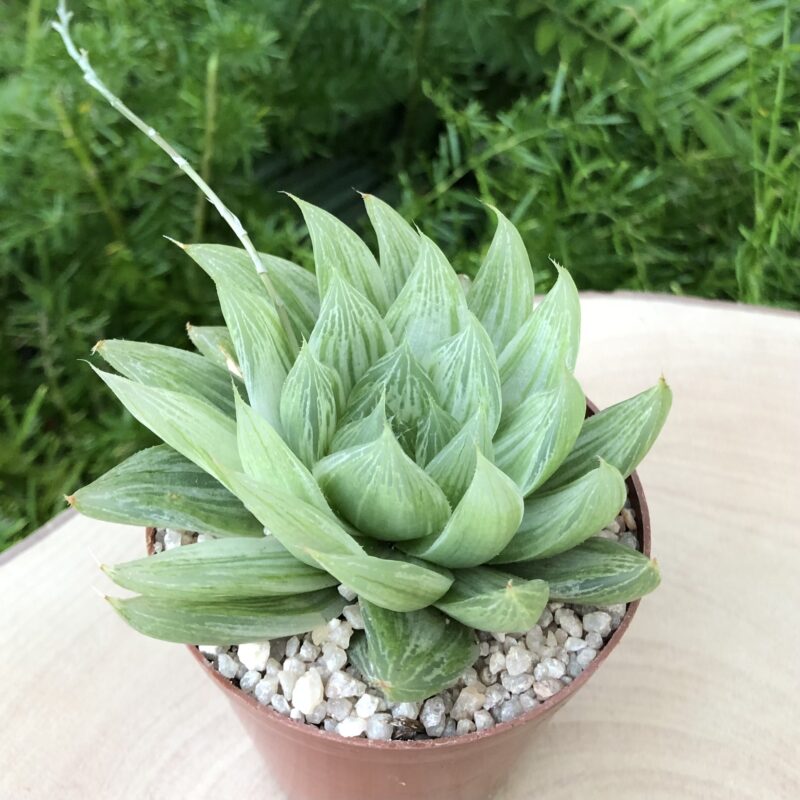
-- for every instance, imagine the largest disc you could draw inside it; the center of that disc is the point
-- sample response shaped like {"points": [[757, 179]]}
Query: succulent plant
{"points": [[390, 427]]}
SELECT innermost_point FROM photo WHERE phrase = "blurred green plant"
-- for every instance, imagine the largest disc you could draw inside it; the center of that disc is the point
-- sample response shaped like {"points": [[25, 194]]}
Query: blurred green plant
{"points": [[651, 144]]}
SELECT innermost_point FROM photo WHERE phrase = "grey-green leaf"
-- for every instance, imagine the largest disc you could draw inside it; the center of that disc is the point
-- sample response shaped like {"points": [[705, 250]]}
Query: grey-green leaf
{"points": [[481, 525], [548, 339], [270, 461], [381, 491], [597, 572], [261, 348], [226, 622], [398, 243], [220, 569], [311, 400], [557, 521], [361, 431], [299, 526], [621, 435], [431, 307], [415, 655], [463, 370], [339, 250], [388, 583], [535, 437], [434, 430], [169, 368], [501, 296], [160, 487], [215, 343], [350, 335], [491, 600], [193, 427]]}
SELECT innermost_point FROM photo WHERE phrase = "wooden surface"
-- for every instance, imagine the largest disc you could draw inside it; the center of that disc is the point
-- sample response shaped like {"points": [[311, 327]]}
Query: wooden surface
{"points": [[700, 701]]}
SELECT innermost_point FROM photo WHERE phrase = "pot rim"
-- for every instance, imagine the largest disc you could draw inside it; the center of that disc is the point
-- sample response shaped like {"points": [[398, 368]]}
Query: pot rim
{"points": [[294, 727]]}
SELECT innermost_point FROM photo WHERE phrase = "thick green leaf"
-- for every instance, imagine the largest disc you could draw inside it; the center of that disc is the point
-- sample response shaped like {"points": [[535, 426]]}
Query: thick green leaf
{"points": [[463, 370], [215, 343], [193, 427], [381, 491], [220, 569], [398, 243], [491, 600], [339, 250], [388, 583], [261, 348], [434, 430], [597, 572], [169, 368], [299, 526], [350, 335], [361, 431], [414, 655], [536, 436], [501, 296], [270, 461], [311, 400], [226, 622], [296, 287], [431, 307], [548, 339], [454, 466], [481, 525], [160, 487], [405, 388], [559, 520], [621, 435]]}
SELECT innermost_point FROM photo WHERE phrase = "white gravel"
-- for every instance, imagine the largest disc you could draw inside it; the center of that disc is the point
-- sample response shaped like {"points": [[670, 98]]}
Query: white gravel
{"points": [[308, 678]]}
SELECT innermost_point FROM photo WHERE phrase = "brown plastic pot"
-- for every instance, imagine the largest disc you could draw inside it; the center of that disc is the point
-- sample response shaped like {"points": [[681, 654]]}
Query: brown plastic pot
{"points": [[310, 764]]}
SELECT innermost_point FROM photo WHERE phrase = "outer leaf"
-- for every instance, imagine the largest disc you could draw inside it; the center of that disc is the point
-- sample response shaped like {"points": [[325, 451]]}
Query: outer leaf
{"points": [[350, 335], [415, 655], [391, 584], [464, 371], [299, 526], [490, 600], [434, 430], [378, 488], [160, 487], [406, 388], [193, 427], [454, 466], [431, 307], [537, 435], [219, 570], [227, 622], [398, 243], [338, 249], [231, 266], [621, 435], [597, 572], [311, 400], [261, 347], [215, 343], [169, 368], [268, 459], [535, 357], [559, 520], [482, 524], [501, 296]]}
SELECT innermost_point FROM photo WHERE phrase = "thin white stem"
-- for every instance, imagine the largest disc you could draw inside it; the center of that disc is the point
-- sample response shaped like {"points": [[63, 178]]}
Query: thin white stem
{"points": [[81, 58]]}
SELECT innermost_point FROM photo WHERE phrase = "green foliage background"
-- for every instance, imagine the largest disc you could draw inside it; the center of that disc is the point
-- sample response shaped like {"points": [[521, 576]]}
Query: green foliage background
{"points": [[645, 144]]}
